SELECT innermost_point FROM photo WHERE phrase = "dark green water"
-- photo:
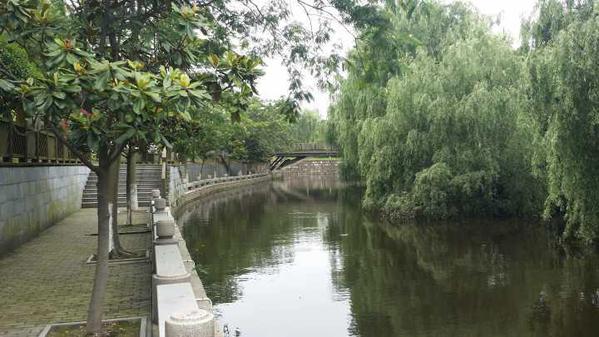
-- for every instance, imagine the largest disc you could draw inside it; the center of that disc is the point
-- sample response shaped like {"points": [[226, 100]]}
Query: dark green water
{"points": [[299, 258]]}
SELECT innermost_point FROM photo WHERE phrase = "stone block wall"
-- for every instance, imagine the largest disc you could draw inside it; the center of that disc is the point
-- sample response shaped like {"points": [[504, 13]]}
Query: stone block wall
{"points": [[176, 185], [310, 167], [34, 198]]}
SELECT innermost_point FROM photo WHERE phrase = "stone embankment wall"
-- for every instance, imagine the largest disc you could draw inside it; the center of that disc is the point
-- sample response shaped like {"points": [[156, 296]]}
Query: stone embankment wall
{"points": [[34, 198], [308, 167]]}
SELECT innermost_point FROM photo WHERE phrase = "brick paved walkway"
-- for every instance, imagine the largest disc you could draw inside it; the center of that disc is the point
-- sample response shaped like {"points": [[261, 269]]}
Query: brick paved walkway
{"points": [[46, 280]]}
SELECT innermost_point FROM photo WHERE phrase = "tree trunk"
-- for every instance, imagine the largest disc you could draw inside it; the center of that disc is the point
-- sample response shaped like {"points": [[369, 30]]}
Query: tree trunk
{"points": [[226, 165], [132, 201], [114, 223], [96, 305], [201, 169], [116, 249]]}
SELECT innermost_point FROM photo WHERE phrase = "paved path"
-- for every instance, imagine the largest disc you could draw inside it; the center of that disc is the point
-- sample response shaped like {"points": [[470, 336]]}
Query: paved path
{"points": [[46, 280]]}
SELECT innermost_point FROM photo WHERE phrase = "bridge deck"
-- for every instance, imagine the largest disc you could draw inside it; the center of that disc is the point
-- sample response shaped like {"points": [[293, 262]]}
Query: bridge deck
{"points": [[284, 158]]}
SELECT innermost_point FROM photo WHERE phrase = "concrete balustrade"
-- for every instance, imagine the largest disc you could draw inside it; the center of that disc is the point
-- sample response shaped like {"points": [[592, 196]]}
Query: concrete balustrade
{"points": [[169, 269], [200, 183], [179, 315], [157, 215], [160, 204], [165, 229], [165, 232], [192, 324], [179, 308]]}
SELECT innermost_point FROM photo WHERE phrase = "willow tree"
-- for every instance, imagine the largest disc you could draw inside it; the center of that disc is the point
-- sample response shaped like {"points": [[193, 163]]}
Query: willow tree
{"points": [[389, 37], [562, 43], [443, 133], [454, 141]]}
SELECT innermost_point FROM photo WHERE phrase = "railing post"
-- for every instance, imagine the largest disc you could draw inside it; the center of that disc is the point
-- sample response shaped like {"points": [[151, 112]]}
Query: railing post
{"points": [[30, 145], [4, 140], [163, 172]]}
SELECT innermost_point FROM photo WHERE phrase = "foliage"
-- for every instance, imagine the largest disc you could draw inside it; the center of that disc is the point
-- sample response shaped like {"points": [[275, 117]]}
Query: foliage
{"points": [[265, 129], [309, 128], [563, 73], [436, 125], [553, 17], [14, 63], [389, 38], [98, 102], [260, 130]]}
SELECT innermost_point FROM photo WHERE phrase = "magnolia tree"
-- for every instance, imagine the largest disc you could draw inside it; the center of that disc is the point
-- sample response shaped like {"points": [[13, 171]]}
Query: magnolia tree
{"points": [[117, 75], [96, 100]]}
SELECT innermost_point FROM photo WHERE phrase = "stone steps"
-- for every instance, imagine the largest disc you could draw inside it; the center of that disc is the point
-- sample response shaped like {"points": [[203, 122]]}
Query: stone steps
{"points": [[148, 178]]}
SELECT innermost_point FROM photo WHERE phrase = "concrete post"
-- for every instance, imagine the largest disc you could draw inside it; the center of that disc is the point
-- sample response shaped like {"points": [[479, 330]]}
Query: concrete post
{"points": [[165, 229], [197, 323], [160, 204]]}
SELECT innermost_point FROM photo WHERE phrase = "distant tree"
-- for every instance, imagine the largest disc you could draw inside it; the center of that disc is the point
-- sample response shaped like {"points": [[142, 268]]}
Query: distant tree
{"points": [[265, 131], [309, 128]]}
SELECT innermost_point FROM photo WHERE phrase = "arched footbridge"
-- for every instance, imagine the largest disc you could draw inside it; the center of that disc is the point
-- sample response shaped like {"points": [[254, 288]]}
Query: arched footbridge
{"points": [[301, 151]]}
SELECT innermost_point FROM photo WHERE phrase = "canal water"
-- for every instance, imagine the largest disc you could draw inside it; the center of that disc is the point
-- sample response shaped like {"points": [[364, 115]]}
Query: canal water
{"points": [[299, 258]]}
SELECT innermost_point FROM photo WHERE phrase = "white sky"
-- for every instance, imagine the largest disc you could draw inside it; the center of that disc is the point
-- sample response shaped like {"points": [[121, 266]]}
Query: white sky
{"points": [[274, 83]]}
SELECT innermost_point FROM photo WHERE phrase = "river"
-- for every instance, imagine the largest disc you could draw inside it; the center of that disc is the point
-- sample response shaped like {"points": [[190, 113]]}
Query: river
{"points": [[299, 258]]}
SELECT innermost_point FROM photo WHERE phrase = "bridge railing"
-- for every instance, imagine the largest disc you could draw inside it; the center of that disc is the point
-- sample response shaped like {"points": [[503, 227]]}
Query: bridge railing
{"points": [[313, 147]]}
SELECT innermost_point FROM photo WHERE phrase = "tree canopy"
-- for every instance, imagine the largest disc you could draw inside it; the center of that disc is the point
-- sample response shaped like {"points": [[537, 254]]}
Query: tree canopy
{"points": [[442, 118], [435, 122], [562, 49]]}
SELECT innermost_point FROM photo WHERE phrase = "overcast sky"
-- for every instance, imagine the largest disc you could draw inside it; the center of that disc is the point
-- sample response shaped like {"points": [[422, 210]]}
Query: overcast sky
{"points": [[274, 83]]}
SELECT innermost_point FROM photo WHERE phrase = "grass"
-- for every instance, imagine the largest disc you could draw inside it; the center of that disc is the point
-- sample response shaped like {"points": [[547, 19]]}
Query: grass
{"points": [[112, 329]]}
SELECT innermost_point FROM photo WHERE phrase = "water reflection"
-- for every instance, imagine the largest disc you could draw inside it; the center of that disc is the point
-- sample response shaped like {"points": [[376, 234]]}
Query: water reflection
{"points": [[299, 258]]}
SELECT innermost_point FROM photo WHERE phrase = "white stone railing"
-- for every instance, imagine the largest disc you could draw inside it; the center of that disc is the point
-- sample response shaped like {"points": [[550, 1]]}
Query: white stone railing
{"points": [[206, 182], [179, 309]]}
